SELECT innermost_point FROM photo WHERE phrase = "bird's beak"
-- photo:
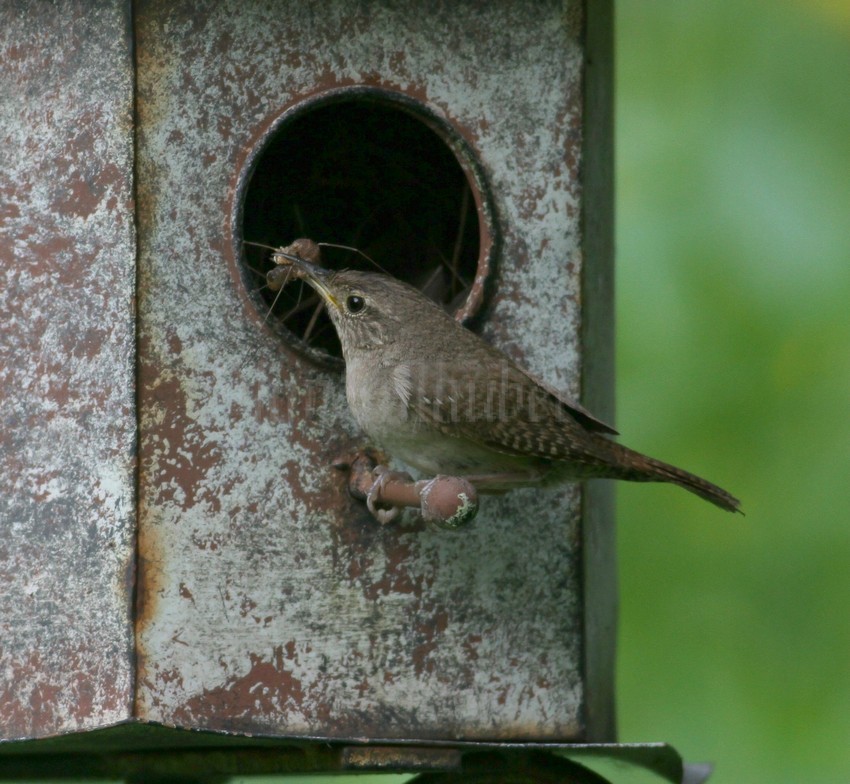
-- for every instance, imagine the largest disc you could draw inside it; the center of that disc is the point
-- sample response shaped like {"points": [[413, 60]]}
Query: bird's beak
{"points": [[291, 264]]}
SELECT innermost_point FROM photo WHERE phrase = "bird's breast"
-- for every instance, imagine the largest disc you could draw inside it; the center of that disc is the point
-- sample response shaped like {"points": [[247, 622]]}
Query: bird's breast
{"points": [[374, 399]]}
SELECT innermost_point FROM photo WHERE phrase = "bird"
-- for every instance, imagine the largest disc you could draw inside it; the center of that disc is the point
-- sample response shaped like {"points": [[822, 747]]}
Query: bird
{"points": [[437, 396]]}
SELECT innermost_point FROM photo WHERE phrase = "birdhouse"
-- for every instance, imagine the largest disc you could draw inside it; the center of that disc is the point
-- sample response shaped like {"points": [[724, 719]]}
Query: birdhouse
{"points": [[180, 550]]}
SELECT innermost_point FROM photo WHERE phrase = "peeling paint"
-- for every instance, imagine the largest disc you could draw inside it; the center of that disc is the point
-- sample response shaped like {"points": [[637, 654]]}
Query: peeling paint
{"points": [[268, 600], [272, 603], [67, 350]]}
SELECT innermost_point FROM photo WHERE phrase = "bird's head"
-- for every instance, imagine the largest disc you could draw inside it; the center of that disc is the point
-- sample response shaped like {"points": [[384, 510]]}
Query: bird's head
{"points": [[369, 310]]}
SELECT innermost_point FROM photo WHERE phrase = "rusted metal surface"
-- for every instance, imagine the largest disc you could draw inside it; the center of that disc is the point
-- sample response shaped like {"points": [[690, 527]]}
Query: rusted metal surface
{"points": [[269, 601], [409, 758], [67, 352]]}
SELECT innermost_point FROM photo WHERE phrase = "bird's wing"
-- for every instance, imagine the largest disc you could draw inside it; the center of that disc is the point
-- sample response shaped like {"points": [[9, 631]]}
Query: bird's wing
{"points": [[506, 411], [578, 411]]}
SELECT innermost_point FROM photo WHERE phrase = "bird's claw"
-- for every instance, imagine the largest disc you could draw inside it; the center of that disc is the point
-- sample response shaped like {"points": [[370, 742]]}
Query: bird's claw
{"points": [[384, 513]]}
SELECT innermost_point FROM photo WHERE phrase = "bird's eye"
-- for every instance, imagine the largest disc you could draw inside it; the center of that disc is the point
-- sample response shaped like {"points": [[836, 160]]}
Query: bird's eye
{"points": [[355, 304]]}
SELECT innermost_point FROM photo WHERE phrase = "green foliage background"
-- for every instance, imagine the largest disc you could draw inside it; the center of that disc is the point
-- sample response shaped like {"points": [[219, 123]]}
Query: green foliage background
{"points": [[733, 264]]}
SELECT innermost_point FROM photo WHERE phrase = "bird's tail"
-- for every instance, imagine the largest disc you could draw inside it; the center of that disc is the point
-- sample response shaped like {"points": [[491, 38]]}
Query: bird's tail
{"points": [[642, 468]]}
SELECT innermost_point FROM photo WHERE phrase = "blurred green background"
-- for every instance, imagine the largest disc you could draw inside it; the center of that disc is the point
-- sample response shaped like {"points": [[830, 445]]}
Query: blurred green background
{"points": [[733, 309]]}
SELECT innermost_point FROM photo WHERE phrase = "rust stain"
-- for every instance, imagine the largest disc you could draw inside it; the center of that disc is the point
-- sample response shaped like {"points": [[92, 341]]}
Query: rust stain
{"points": [[269, 601], [429, 638], [67, 442], [267, 687], [176, 455], [401, 758], [185, 592]]}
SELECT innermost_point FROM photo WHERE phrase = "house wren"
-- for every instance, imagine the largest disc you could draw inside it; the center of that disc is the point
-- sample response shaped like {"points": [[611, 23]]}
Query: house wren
{"points": [[440, 398]]}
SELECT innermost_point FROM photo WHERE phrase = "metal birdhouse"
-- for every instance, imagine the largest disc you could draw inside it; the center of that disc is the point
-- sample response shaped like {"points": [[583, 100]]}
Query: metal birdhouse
{"points": [[182, 564]]}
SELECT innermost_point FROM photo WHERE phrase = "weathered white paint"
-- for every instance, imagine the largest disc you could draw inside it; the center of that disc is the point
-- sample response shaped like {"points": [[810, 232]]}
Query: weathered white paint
{"points": [[261, 580], [67, 356]]}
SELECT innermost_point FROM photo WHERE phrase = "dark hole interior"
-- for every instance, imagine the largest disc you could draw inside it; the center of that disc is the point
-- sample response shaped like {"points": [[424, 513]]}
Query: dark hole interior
{"points": [[366, 175]]}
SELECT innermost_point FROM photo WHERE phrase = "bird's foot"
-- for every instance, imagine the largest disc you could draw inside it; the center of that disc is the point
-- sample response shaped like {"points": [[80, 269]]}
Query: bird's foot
{"points": [[376, 498], [445, 501]]}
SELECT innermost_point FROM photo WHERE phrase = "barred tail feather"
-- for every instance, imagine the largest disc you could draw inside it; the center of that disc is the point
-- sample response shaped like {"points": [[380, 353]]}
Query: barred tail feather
{"points": [[648, 469], [697, 485]]}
